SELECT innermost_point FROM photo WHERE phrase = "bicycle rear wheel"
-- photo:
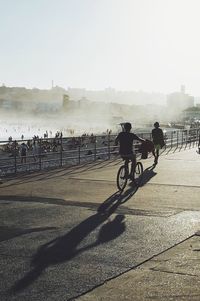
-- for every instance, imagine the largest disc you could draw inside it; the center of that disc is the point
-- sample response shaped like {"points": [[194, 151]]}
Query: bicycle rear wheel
{"points": [[138, 173], [121, 178]]}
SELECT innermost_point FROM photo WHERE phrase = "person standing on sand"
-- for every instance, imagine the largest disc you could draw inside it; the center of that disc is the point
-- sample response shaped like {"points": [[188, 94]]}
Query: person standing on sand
{"points": [[23, 150], [35, 149]]}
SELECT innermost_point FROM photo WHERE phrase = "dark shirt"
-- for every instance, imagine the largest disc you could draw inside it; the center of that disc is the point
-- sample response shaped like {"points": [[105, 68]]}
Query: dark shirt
{"points": [[126, 142], [157, 135]]}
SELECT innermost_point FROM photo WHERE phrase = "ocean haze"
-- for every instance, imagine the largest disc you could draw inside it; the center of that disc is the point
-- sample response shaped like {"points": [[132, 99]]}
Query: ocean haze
{"points": [[30, 112]]}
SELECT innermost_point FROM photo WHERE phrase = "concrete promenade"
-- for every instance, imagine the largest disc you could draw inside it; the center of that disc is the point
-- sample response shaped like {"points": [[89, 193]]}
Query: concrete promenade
{"points": [[168, 201]]}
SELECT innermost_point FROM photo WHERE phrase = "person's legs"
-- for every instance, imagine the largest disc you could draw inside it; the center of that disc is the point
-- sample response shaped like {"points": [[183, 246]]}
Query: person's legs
{"points": [[133, 164], [153, 153], [157, 148], [126, 161], [126, 166]]}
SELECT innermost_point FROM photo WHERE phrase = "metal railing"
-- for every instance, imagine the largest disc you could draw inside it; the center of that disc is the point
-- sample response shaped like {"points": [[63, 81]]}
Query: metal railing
{"points": [[68, 151]]}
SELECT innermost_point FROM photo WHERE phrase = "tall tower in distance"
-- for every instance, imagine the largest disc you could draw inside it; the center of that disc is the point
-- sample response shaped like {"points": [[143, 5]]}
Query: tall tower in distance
{"points": [[179, 101], [183, 89]]}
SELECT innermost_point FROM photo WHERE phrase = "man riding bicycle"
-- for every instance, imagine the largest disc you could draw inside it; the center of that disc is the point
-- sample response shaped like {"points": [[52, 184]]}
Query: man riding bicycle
{"points": [[125, 140]]}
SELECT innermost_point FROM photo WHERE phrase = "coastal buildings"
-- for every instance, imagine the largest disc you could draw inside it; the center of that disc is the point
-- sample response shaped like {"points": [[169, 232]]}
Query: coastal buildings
{"points": [[180, 100], [105, 105]]}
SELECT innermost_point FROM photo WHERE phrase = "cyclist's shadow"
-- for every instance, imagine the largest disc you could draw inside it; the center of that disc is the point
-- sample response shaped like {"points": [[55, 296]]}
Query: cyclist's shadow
{"points": [[148, 173], [66, 247], [111, 204], [120, 197]]}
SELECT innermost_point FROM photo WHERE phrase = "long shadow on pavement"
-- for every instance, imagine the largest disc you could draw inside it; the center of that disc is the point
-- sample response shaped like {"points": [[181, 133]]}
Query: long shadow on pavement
{"points": [[148, 174], [65, 248]]}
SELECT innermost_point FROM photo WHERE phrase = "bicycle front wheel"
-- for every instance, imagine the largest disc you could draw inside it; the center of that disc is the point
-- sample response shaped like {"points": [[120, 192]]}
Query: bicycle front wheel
{"points": [[138, 173], [121, 178]]}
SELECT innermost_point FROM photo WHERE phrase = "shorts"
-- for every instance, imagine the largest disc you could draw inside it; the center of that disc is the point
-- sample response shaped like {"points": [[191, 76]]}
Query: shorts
{"points": [[129, 156], [157, 146]]}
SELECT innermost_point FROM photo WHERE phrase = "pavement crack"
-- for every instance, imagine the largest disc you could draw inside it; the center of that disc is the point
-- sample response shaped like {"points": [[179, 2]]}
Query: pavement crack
{"points": [[173, 185], [172, 272], [93, 180], [6, 255]]}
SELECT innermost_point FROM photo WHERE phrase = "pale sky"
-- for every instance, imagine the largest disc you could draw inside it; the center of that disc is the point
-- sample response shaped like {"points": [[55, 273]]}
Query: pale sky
{"points": [[149, 45]]}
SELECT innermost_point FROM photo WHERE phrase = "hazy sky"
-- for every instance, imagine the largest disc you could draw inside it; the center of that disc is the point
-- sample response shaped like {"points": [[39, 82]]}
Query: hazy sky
{"points": [[149, 45]]}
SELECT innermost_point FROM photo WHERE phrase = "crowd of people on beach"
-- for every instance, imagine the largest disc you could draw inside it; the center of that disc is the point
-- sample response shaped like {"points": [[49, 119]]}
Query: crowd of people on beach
{"points": [[45, 144]]}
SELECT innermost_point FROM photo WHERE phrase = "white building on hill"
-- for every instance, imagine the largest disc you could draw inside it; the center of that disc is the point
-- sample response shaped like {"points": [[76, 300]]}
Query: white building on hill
{"points": [[180, 100]]}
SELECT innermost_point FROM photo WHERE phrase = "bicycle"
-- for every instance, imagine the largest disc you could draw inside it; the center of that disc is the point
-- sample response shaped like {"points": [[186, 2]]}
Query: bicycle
{"points": [[123, 174]]}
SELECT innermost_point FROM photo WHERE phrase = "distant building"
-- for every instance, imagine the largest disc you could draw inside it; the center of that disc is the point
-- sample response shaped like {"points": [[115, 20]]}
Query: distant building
{"points": [[10, 104], [75, 93], [180, 100], [192, 113]]}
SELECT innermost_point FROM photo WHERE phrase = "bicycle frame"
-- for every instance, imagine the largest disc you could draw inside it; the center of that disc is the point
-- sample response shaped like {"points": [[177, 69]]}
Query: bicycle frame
{"points": [[123, 174]]}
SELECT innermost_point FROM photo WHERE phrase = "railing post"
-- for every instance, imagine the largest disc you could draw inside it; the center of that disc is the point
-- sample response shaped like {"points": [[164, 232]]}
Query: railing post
{"points": [[171, 139], [61, 151], [79, 150], [177, 136], [15, 150], [109, 146], [79, 155], [164, 140], [196, 136], [95, 148], [182, 138], [40, 154], [186, 139]]}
